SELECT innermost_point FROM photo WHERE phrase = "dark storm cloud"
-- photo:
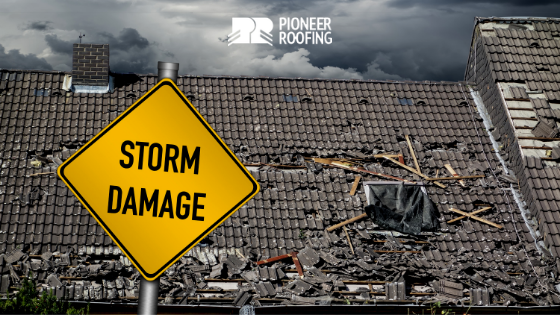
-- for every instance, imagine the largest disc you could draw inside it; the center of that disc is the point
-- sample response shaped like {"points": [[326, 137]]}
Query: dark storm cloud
{"points": [[389, 39], [38, 26], [130, 51], [127, 39], [450, 3], [141, 65], [16, 60], [58, 45], [425, 40]]}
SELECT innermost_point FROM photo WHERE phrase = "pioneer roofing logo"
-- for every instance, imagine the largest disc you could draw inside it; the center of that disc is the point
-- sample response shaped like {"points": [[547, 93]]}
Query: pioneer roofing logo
{"points": [[301, 31], [250, 31]]}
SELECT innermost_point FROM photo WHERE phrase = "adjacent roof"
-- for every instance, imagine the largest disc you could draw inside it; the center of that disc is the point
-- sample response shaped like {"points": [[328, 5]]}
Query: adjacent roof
{"points": [[515, 62], [42, 125]]}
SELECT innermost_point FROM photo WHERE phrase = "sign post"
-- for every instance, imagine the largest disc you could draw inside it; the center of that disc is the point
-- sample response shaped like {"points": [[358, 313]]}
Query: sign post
{"points": [[153, 179], [149, 290]]}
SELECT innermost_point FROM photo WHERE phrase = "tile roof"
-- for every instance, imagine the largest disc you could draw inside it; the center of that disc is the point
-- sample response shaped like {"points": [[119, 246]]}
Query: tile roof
{"points": [[524, 55], [44, 227]]}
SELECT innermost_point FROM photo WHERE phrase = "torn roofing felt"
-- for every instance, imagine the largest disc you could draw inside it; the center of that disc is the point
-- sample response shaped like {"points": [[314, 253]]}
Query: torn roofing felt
{"points": [[405, 208]]}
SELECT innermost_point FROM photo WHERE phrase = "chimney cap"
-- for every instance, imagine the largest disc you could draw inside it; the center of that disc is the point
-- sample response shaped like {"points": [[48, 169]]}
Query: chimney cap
{"points": [[168, 65]]}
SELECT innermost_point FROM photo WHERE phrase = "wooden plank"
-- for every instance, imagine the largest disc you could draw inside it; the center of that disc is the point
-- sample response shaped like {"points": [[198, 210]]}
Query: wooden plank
{"points": [[273, 259], [377, 156], [454, 174], [456, 177], [349, 241], [239, 253], [398, 251], [355, 185], [46, 173], [414, 171], [472, 213], [298, 265], [476, 218], [415, 242], [412, 153], [334, 227], [356, 169]]}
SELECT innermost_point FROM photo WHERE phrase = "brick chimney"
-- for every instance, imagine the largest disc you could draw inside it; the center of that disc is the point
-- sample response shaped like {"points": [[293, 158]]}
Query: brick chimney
{"points": [[90, 64]]}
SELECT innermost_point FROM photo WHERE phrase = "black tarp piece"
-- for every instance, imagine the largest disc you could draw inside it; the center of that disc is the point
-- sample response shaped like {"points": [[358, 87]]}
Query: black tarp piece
{"points": [[402, 207]]}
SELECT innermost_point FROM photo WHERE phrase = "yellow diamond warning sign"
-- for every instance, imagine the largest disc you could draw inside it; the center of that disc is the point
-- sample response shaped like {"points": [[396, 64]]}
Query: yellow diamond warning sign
{"points": [[158, 179]]}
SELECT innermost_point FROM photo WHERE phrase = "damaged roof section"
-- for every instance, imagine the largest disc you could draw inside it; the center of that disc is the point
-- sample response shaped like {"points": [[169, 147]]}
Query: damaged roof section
{"points": [[515, 63], [304, 239]]}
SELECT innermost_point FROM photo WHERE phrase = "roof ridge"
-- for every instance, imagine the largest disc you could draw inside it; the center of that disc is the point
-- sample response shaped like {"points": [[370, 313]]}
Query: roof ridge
{"points": [[515, 18], [204, 76]]}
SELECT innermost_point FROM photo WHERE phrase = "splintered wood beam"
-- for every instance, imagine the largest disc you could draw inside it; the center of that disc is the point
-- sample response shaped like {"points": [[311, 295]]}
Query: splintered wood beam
{"points": [[454, 174], [377, 156], [414, 171], [472, 213], [46, 173], [298, 265], [398, 251], [349, 241], [345, 166], [355, 185], [476, 218], [273, 259], [240, 254], [412, 153], [455, 177], [334, 227]]}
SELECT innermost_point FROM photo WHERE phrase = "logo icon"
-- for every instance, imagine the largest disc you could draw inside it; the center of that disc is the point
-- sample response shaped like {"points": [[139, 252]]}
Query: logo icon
{"points": [[250, 31]]}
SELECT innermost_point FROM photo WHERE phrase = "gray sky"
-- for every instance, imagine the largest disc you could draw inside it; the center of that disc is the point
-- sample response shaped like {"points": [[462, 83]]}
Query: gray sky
{"points": [[390, 39]]}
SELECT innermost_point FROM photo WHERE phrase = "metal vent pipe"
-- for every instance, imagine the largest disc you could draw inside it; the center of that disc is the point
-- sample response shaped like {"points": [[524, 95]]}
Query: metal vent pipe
{"points": [[168, 70], [149, 290]]}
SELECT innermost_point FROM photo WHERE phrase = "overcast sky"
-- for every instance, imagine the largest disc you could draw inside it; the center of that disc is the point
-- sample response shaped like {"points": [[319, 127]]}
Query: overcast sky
{"points": [[388, 39]]}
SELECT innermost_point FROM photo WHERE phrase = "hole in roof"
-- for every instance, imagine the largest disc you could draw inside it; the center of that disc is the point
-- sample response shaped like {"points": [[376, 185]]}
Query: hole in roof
{"points": [[41, 92], [534, 45], [56, 93], [405, 101], [131, 95], [421, 102], [290, 98], [463, 103], [363, 101], [307, 99], [542, 68], [248, 97], [190, 97]]}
